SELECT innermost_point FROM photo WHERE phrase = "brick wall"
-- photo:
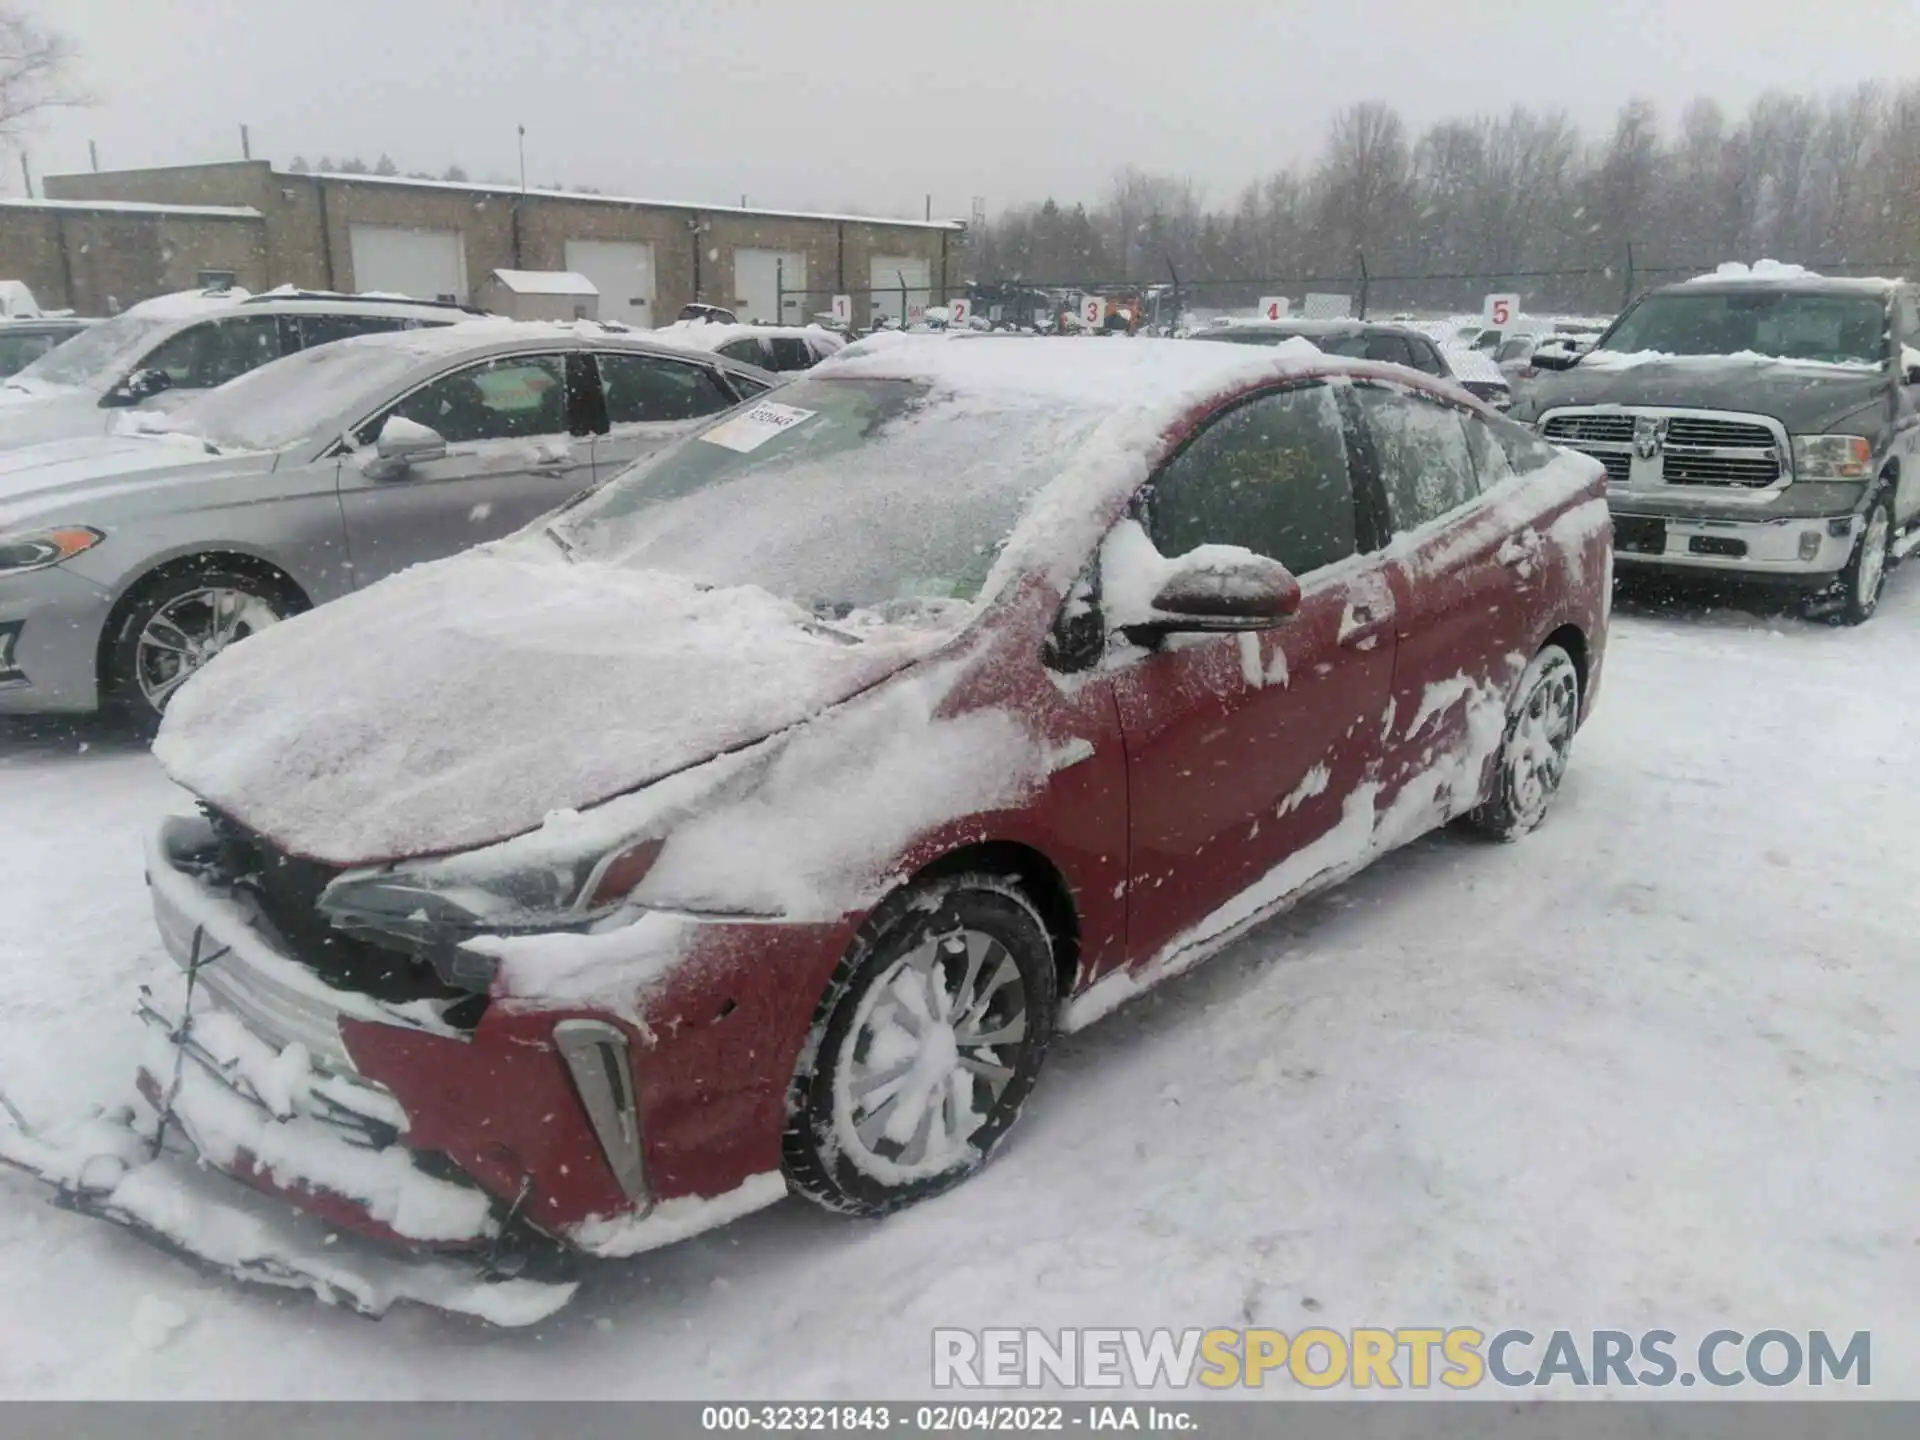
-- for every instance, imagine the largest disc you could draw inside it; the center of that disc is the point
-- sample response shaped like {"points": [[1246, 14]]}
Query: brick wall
{"points": [[113, 259], [307, 233]]}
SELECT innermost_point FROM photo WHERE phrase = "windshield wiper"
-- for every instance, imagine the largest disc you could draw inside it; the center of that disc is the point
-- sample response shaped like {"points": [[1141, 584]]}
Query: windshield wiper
{"points": [[552, 532]]}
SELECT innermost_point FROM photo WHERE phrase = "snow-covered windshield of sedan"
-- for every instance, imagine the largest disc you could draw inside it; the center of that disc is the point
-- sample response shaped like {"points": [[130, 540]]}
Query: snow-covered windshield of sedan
{"points": [[292, 399], [845, 495], [93, 357], [1832, 329]]}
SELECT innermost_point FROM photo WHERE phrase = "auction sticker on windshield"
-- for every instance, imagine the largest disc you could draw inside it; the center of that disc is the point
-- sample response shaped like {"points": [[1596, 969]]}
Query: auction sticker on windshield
{"points": [[750, 431]]}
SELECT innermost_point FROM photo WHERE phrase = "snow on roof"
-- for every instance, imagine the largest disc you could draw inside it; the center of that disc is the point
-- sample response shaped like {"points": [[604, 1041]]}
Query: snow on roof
{"points": [[1470, 364], [137, 207], [711, 335], [510, 191], [1166, 377], [1774, 272], [546, 282]]}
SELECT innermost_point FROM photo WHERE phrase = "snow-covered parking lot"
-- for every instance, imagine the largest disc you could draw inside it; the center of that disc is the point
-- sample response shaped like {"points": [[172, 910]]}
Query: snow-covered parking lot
{"points": [[1651, 1067]]}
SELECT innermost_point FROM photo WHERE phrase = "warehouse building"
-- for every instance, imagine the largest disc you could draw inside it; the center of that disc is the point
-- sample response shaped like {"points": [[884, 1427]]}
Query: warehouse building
{"points": [[103, 240]]}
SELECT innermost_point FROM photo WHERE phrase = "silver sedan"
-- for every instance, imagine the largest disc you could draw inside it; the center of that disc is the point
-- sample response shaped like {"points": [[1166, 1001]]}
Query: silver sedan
{"points": [[127, 561]]}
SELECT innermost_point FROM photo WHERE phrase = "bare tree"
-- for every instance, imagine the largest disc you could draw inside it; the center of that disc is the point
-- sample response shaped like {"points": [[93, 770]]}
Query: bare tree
{"points": [[1366, 180], [35, 64]]}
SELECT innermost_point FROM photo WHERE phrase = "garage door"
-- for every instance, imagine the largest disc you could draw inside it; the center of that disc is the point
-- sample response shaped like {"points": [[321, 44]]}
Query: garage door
{"points": [[426, 264], [622, 271], [890, 274], [758, 274]]}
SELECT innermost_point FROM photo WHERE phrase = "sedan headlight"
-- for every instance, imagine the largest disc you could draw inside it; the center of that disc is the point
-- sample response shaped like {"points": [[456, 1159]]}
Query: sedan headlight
{"points": [[1831, 457], [39, 549], [428, 906]]}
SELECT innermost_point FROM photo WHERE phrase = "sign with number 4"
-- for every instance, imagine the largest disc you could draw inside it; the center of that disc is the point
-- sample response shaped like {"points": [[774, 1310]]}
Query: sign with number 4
{"points": [[1274, 307], [1499, 311]]}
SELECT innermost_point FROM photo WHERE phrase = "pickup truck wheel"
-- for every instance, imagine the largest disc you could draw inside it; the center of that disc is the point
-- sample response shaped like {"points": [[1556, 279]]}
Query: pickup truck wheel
{"points": [[1534, 749], [924, 1048], [1865, 575]]}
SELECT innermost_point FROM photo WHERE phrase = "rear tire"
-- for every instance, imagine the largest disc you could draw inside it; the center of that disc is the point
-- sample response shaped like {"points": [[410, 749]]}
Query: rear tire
{"points": [[176, 623], [924, 1048], [1535, 747]]}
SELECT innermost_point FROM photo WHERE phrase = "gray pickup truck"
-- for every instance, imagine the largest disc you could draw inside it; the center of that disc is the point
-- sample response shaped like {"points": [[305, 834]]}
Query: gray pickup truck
{"points": [[1764, 425]]}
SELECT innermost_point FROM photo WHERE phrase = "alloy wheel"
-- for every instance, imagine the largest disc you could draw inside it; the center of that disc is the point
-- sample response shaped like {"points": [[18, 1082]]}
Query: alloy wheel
{"points": [[188, 631]]}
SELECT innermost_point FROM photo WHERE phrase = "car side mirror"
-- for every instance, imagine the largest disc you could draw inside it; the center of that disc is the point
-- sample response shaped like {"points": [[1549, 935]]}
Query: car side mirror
{"points": [[140, 385], [1555, 357], [1218, 589], [402, 444]]}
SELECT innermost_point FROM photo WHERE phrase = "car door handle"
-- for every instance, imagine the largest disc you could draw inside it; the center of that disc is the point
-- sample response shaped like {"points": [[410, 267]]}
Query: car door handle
{"points": [[1360, 625]]}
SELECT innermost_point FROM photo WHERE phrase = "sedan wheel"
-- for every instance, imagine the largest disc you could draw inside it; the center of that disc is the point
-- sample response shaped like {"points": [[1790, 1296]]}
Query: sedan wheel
{"points": [[178, 626], [924, 1049], [1535, 748]]}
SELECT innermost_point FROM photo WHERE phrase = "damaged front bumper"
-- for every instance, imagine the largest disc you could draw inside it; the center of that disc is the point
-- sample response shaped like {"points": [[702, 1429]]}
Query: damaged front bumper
{"points": [[297, 1133]]}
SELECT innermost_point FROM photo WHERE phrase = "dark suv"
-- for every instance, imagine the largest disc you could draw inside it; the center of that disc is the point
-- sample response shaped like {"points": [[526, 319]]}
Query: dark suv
{"points": [[1364, 340], [1764, 425]]}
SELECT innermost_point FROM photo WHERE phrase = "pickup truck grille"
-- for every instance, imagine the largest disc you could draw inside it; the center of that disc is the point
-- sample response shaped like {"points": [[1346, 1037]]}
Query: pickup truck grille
{"points": [[1694, 449], [1612, 428]]}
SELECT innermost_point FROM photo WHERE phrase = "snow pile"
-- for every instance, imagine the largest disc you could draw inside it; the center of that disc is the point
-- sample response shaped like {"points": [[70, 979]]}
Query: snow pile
{"points": [[1763, 271], [505, 684], [1633, 359]]}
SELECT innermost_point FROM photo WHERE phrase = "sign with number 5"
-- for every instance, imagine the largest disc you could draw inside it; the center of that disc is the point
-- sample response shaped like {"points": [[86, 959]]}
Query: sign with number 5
{"points": [[1499, 311]]}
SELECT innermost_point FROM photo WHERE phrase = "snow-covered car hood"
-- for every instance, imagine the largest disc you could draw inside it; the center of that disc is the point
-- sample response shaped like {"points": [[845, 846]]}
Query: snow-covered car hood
{"points": [[463, 702], [65, 475], [1805, 398], [33, 413]]}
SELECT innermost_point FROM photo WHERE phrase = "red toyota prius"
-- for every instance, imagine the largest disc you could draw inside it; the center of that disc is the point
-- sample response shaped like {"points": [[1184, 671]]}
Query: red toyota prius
{"points": [[750, 826]]}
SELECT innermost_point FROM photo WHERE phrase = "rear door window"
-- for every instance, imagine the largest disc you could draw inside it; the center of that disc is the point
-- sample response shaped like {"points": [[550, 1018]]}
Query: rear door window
{"points": [[747, 352], [216, 351], [644, 389], [790, 353], [1390, 348], [1426, 467], [1270, 475], [324, 329]]}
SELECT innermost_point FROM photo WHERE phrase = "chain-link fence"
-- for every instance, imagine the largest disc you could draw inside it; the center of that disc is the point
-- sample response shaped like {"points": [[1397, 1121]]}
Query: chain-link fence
{"points": [[1593, 289]]}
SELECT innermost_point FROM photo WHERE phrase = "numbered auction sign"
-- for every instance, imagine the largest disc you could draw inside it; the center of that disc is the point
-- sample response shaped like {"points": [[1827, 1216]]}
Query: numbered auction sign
{"points": [[1093, 310], [1499, 311], [1274, 307], [958, 311], [843, 309]]}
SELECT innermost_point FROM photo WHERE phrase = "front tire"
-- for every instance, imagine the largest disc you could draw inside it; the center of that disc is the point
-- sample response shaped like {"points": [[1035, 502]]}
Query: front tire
{"points": [[1534, 748], [175, 625], [924, 1048], [1865, 576]]}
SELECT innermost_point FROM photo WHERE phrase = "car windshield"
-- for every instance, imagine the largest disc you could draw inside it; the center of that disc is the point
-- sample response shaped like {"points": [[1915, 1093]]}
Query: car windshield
{"points": [[300, 397], [1788, 325], [874, 496], [97, 354]]}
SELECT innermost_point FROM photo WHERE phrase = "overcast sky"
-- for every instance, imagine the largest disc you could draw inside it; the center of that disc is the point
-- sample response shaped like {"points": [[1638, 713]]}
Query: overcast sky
{"points": [[870, 104]]}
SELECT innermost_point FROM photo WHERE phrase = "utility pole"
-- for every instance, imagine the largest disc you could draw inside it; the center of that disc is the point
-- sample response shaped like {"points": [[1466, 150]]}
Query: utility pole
{"points": [[523, 158], [246, 146], [26, 175], [93, 156], [929, 207]]}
